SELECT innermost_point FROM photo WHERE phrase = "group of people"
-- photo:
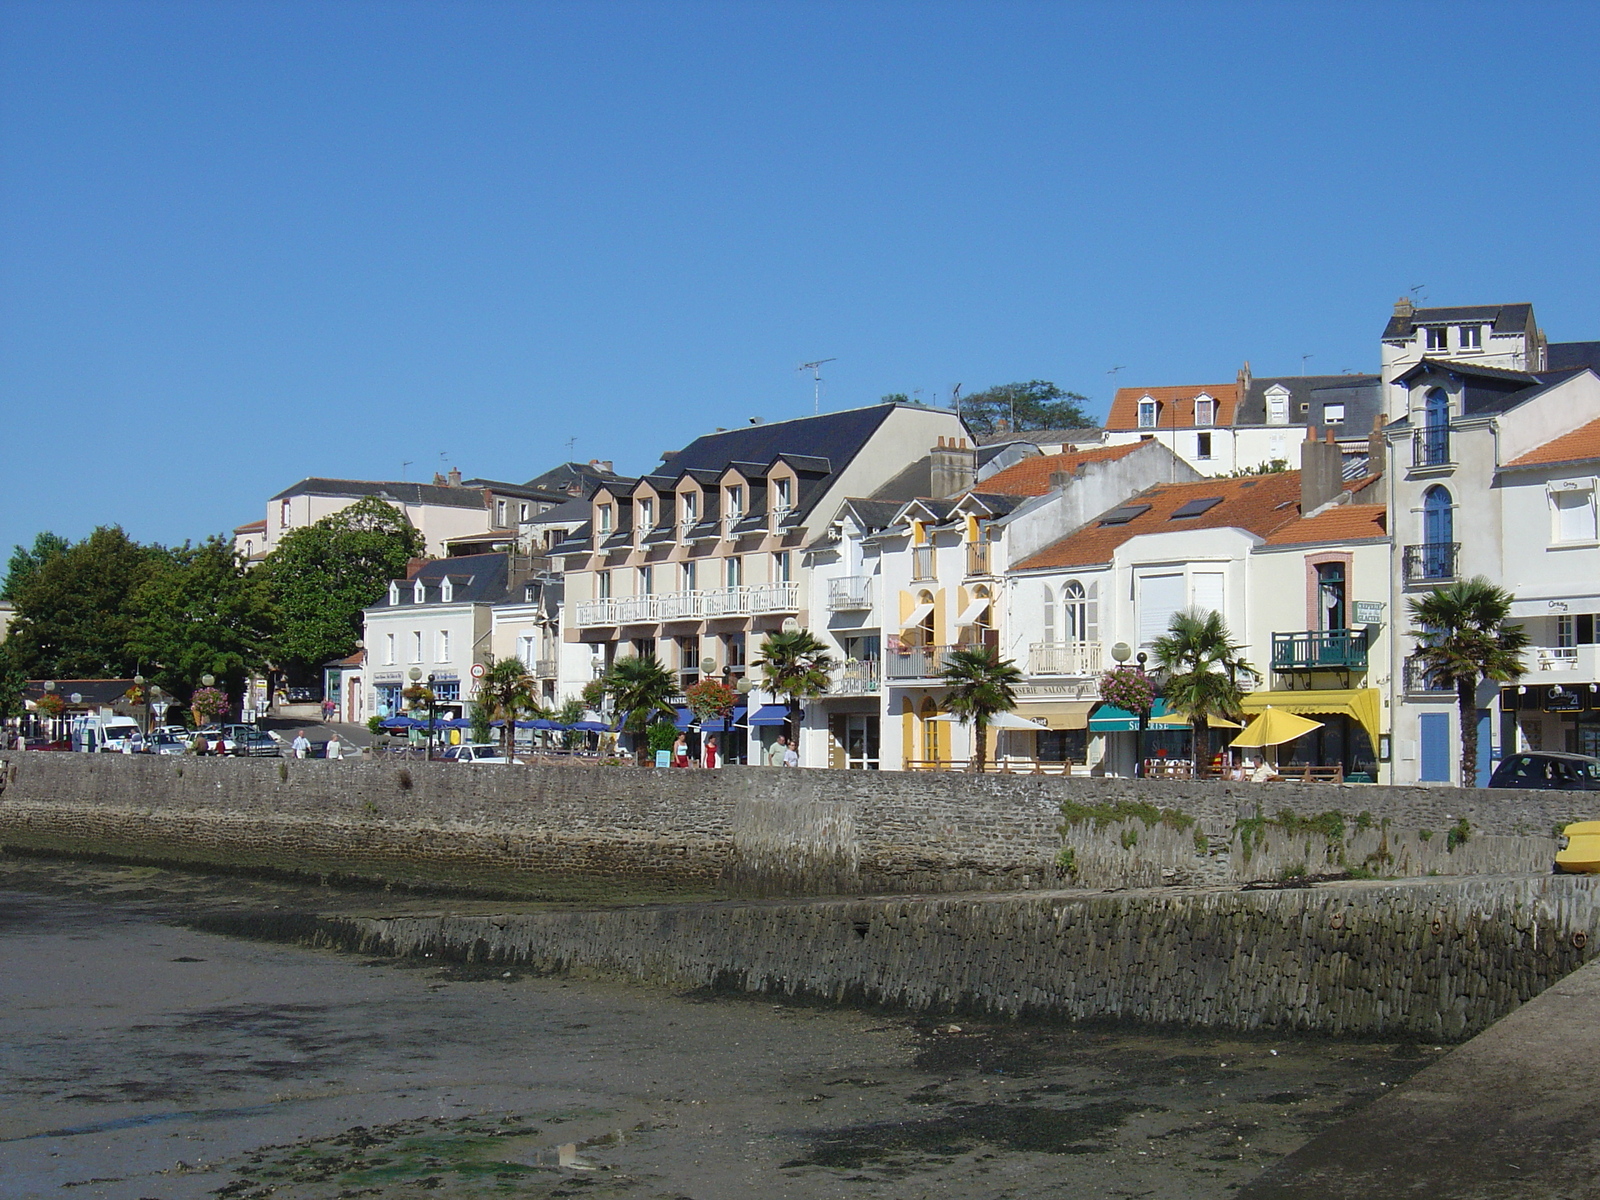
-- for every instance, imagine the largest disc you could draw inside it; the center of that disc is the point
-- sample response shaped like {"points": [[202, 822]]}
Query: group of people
{"points": [[779, 754]]}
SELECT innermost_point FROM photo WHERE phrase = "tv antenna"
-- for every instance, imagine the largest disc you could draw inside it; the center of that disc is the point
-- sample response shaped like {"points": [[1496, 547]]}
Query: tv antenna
{"points": [[1114, 370], [1303, 358], [955, 398], [1415, 298], [571, 442], [816, 380], [404, 467]]}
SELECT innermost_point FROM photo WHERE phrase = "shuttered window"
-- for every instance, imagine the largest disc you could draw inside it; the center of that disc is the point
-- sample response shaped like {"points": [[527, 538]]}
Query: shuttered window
{"points": [[1159, 597]]}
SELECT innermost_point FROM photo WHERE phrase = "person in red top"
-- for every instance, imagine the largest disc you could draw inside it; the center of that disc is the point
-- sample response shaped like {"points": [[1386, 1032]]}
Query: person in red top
{"points": [[711, 753]]}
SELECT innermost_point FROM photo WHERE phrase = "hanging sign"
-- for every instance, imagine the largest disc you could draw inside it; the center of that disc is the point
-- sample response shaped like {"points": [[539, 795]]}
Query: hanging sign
{"points": [[1369, 612]]}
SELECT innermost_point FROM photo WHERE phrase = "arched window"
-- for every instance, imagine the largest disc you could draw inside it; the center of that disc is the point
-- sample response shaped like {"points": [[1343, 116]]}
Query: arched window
{"points": [[1078, 612], [1438, 533], [1049, 599], [1435, 428]]}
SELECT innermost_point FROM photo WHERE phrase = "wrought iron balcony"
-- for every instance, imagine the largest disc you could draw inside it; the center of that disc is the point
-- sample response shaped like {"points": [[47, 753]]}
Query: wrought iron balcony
{"points": [[850, 593], [1320, 650], [753, 600], [1430, 561], [922, 562], [916, 662], [1420, 681], [1064, 658], [857, 679], [1430, 448]]}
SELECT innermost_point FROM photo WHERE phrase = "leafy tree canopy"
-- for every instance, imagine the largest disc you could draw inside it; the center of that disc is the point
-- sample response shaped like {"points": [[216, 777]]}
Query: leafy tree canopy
{"points": [[1019, 407], [75, 612], [321, 576], [200, 611], [25, 561]]}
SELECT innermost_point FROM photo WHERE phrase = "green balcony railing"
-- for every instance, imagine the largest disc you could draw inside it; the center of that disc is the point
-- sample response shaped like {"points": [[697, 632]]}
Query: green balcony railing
{"points": [[1320, 650]]}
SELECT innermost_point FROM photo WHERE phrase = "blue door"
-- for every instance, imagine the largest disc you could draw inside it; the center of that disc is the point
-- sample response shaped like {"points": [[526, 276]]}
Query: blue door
{"points": [[1485, 766], [1433, 729], [1438, 533], [1436, 429]]}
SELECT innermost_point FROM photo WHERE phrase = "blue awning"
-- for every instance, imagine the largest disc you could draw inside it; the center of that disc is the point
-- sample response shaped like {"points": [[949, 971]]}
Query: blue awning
{"points": [[1108, 718], [684, 719], [716, 725], [770, 714]]}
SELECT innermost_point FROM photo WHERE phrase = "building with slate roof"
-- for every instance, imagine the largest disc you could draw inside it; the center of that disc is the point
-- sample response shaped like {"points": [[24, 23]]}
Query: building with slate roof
{"points": [[702, 556]]}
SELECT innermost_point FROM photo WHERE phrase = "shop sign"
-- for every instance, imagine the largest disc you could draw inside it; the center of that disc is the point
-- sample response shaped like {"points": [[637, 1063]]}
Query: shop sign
{"points": [[1369, 612]]}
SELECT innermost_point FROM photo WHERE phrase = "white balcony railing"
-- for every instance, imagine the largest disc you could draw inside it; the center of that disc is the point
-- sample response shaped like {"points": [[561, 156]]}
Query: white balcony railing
{"points": [[752, 600], [1064, 658], [546, 668], [1552, 658], [857, 679], [916, 662], [850, 593]]}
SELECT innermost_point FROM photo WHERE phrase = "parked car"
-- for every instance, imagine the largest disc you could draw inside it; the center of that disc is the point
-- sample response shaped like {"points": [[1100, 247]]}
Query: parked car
{"points": [[1578, 849], [165, 743], [248, 741], [477, 752], [1548, 769], [211, 733]]}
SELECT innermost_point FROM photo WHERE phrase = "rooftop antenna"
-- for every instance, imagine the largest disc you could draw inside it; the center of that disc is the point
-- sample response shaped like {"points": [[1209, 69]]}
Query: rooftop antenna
{"points": [[816, 377], [1415, 298], [1114, 371], [1303, 358], [403, 469], [955, 398], [571, 442]]}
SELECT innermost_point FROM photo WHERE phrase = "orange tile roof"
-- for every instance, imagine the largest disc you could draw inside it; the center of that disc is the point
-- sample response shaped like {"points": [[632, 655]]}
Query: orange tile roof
{"points": [[1031, 476], [1176, 405], [1342, 523], [1582, 443], [1258, 504]]}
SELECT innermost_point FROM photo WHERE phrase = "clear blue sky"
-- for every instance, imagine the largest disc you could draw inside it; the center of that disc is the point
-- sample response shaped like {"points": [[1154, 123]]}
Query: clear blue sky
{"points": [[245, 243]]}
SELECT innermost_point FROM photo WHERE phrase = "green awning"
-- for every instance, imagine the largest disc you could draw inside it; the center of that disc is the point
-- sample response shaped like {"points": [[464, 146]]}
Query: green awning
{"points": [[1108, 718]]}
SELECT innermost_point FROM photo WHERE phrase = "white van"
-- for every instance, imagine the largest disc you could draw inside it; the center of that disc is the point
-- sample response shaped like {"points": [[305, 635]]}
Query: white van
{"points": [[104, 733]]}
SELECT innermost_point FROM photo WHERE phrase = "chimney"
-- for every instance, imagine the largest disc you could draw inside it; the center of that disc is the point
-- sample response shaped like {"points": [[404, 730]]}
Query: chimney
{"points": [[1244, 381], [1321, 472], [455, 476], [1403, 309], [438, 479], [1376, 450], [952, 467]]}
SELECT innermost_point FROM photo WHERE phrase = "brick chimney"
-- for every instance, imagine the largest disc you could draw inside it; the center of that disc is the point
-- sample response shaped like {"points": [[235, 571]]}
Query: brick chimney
{"points": [[1402, 308], [455, 476], [1321, 472], [952, 467], [1243, 380], [1377, 452]]}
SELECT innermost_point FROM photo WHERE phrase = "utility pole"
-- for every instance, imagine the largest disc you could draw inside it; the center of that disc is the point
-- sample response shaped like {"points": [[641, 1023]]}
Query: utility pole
{"points": [[816, 376]]}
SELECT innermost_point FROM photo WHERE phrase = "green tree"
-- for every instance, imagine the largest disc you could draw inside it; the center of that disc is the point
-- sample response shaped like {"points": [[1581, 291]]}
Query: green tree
{"points": [[1018, 407], [980, 684], [13, 681], [1201, 667], [569, 712], [1462, 637], [25, 561], [74, 612], [200, 611], [321, 576], [639, 686], [795, 666], [505, 693]]}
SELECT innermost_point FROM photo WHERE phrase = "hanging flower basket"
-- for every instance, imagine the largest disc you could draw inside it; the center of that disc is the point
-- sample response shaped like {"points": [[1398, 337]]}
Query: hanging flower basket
{"points": [[711, 699], [1129, 689]]}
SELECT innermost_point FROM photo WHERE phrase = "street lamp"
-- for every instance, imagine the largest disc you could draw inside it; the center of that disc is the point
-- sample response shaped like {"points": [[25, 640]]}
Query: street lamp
{"points": [[50, 690], [1144, 720], [138, 682], [416, 677], [744, 690]]}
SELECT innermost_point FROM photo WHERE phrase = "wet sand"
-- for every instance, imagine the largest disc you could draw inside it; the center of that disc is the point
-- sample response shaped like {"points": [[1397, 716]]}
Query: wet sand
{"points": [[140, 1057]]}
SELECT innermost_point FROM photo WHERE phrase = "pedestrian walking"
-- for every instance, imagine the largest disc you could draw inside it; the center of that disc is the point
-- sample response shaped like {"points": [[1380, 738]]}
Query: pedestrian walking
{"points": [[333, 749], [680, 752], [711, 759], [775, 752], [301, 744], [791, 756]]}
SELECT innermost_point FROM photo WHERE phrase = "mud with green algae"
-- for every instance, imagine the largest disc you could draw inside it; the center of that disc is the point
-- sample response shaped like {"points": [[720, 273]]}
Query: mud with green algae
{"points": [[140, 1057]]}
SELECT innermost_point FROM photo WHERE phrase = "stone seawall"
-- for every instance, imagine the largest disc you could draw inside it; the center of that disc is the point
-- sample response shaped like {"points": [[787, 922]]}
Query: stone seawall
{"points": [[1425, 958], [576, 832]]}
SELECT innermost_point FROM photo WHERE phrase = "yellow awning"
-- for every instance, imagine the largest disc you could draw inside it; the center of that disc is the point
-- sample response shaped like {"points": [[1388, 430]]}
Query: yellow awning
{"points": [[1364, 704], [1062, 714]]}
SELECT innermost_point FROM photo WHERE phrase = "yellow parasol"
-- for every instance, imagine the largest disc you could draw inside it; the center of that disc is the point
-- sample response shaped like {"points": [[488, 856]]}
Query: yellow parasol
{"points": [[1213, 721], [1274, 727]]}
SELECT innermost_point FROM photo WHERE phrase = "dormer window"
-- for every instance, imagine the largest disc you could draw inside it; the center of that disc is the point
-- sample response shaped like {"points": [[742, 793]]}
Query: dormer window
{"points": [[735, 500], [394, 594], [647, 514], [499, 514], [419, 593], [1205, 411], [689, 506], [447, 590], [605, 518], [1278, 406], [1148, 410], [1471, 337], [1333, 414], [1438, 337], [782, 495]]}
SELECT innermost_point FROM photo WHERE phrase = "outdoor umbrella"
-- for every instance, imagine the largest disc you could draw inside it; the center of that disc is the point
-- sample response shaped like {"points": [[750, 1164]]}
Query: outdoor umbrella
{"points": [[1273, 727], [1213, 721], [591, 726], [401, 722]]}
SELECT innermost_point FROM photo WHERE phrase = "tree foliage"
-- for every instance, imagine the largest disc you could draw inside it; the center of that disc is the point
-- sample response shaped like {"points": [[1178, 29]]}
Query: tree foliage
{"points": [[200, 611], [321, 576], [74, 610], [1019, 407], [25, 561], [13, 680], [506, 693], [639, 686], [1201, 665], [795, 666], [980, 684], [1462, 636]]}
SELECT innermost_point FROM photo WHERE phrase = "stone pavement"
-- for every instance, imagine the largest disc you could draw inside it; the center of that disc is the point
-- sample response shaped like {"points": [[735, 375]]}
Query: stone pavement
{"points": [[1514, 1114]]}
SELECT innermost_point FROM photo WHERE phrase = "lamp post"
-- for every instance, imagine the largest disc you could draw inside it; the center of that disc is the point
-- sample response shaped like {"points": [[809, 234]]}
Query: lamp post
{"points": [[744, 689], [50, 690], [77, 699], [144, 696], [1144, 721], [415, 675]]}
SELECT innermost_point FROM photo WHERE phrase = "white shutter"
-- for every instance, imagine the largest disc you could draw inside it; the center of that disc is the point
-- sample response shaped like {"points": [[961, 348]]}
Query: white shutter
{"points": [[1208, 591], [1159, 597], [1575, 516]]}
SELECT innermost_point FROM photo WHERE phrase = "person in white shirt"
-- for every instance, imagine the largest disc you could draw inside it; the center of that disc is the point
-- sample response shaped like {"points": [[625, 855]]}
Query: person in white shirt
{"points": [[301, 745], [333, 749]]}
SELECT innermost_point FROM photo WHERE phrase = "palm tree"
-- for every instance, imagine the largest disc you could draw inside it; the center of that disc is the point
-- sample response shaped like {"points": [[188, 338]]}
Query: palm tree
{"points": [[506, 692], [639, 686], [981, 684], [1462, 637], [795, 666], [1201, 664]]}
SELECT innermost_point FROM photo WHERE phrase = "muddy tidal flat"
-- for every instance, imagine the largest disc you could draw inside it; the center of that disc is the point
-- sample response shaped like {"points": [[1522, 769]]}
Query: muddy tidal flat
{"points": [[141, 1057]]}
